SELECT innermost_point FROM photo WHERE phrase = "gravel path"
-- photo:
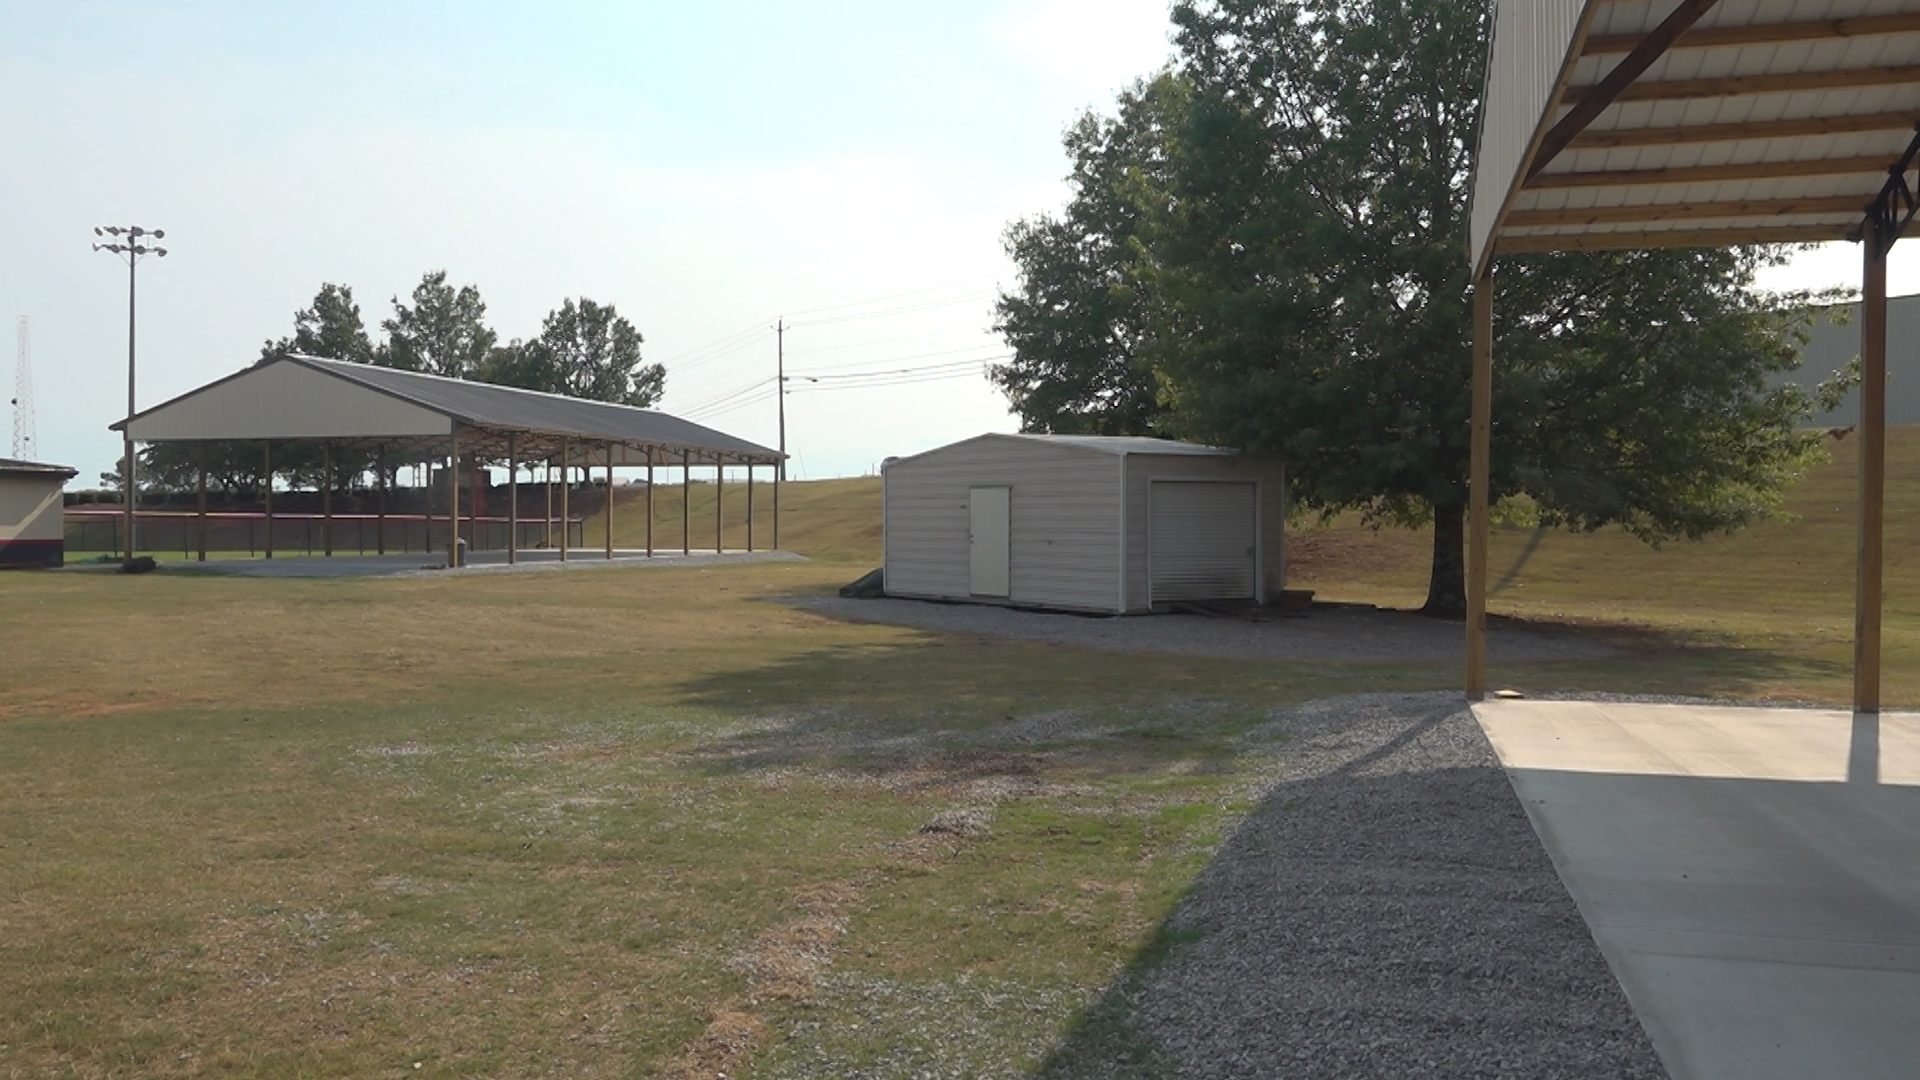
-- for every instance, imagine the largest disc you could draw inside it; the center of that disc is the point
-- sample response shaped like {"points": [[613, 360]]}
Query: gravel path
{"points": [[1386, 911], [1329, 633]]}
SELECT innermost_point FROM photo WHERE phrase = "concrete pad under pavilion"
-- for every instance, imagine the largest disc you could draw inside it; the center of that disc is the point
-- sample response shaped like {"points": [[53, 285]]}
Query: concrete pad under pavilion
{"points": [[1751, 875]]}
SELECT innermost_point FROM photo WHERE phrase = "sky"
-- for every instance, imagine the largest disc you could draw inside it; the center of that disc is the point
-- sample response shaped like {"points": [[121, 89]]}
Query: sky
{"points": [[707, 168]]}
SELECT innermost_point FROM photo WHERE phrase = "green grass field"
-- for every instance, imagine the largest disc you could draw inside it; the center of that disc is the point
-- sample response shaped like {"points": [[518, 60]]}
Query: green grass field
{"points": [[649, 823]]}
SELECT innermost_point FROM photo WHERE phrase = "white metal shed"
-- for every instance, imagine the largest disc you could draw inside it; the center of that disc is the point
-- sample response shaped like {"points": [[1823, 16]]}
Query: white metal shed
{"points": [[1083, 523], [32, 513]]}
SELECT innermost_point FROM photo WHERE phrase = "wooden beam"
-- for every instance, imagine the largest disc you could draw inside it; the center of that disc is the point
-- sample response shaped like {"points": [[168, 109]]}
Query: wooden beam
{"points": [[326, 497], [1709, 174], [1668, 238], [1686, 211], [1616, 81], [609, 450], [453, 498], [267, 545], [513, 500], [1725, 37], [566, 483], [1781, 82], [1868, 565], [1480, 471], [1689, 134], [202, 486], [686, 502], [650, 451]]}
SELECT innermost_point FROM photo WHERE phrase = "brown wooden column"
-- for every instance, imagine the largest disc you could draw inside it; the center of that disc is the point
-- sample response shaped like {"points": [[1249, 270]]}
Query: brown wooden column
{"points": [[513, 499], [650, 502], [686, 502], [1873, 472], [380, 523], [1480, 437], [609, 449], [566, 481], [719, 506], [326, 497], [267, 547], [474, 491], [749, 506], [201, 486], [453, 498]]}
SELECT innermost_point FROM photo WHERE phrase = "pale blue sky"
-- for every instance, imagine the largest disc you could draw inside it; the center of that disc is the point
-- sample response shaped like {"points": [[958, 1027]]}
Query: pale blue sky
{"points": [[705, 167]]}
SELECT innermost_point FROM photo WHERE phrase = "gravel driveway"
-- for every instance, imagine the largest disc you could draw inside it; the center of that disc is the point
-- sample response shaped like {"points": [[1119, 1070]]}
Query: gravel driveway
{"points": [[1339, 634], [1385, 911]]}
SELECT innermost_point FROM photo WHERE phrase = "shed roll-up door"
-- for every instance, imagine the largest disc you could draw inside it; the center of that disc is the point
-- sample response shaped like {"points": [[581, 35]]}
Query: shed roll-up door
{"points": [[1201, 540]]}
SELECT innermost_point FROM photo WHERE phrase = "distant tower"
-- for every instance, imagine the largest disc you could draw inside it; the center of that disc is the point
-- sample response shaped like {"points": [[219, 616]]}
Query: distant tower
{"points": [[23, 440]]}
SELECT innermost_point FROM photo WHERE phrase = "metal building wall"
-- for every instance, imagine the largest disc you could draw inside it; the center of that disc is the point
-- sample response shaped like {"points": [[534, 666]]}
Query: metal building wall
{"points": [[1143, 469], [1832, 345], [32, 520], [1065, 535], [1531, 41]]}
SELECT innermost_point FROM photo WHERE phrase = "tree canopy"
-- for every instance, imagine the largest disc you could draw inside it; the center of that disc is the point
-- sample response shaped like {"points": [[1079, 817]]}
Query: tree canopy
{"points": [[443, 332], [584, 350], [1265, 249]]}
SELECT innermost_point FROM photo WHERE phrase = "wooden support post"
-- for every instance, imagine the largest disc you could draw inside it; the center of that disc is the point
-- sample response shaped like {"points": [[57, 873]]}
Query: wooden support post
{"points": [[609, 449], [566, 481], [326, 497], [686, 496], [474, 491], [650, 502], [749, 506], [779, 473], [513, 500], [719, 506], [380, 478], [1873, 471], [453, 498], [267, 547], [201, 486], [1480, 436], [546, 475]]}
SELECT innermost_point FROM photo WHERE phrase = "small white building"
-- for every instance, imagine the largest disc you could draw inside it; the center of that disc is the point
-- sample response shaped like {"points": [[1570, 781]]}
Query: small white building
{"points": [[1083, 523], [33, 513]]}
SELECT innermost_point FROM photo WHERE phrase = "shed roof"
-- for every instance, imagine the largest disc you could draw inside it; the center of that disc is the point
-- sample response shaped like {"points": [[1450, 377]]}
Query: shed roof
{"points": [[1116, 445], [484, 406], [1645, 123], [40, 469]]}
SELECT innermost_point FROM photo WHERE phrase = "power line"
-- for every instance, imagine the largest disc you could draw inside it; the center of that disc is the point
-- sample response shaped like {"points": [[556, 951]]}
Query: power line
{"points": [[896, 359]]}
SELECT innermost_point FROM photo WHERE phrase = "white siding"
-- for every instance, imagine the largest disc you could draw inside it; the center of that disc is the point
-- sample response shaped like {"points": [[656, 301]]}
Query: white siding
{"points": [[1065, 522], [287, 401], [31, 507], [1531, 41], [1143, 469]]}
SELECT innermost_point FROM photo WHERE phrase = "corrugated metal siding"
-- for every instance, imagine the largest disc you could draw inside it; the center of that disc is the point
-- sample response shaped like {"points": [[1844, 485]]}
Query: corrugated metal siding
{"points": [[1267, 474], [1833, 345], [31, 507], [1530, 43], [1065, 527], [1201, 540]]}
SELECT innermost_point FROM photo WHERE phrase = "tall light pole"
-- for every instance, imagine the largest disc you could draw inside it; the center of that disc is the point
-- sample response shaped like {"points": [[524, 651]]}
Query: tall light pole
{"points": [[131, 250]]}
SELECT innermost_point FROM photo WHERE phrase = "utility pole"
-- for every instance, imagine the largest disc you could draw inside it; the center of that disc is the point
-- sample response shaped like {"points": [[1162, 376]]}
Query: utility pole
{"points": [[132, 250], [780, 469]]}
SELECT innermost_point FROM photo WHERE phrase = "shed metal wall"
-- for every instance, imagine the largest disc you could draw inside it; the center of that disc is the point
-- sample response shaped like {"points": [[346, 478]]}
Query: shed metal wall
{"points": [[1531, 42], [1065, 522], [32, 520], [1143, 470]]}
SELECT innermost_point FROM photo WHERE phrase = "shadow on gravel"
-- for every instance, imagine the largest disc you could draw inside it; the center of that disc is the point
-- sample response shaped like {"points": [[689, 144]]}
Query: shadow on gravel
{"points": [[1385, 911]]}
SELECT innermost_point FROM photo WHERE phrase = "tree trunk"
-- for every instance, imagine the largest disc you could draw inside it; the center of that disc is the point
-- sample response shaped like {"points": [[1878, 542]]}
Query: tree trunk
{"points": [[1447, 586]]}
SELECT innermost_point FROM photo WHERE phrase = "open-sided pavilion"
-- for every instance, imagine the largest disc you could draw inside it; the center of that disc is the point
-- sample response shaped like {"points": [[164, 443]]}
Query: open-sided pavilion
{"points": [[391, 414], [1662, 123], [1748, 873]]}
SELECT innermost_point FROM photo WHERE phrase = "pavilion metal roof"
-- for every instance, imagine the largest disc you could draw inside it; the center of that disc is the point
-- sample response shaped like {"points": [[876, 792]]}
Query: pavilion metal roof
{"points": [[484, 408], [1645, 123]]}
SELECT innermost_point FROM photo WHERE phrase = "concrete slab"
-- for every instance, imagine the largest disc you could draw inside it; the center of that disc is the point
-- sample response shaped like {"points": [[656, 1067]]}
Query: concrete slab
{"points": [[1751, 875]]}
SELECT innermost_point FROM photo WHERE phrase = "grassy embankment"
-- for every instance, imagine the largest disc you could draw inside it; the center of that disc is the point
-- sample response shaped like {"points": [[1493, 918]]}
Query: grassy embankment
{"points": [[640, 822]]}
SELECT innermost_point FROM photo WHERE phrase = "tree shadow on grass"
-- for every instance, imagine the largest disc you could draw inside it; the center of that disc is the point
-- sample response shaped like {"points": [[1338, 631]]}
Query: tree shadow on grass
{"points": [[1385, 911]]}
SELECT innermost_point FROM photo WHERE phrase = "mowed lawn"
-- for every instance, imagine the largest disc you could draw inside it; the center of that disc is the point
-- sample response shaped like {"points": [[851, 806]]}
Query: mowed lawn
{"points": [[653, 823]]}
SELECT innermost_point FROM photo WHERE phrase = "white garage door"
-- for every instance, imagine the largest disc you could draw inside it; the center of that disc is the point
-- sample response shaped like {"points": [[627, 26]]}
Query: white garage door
{"points": [[1201, 540]]}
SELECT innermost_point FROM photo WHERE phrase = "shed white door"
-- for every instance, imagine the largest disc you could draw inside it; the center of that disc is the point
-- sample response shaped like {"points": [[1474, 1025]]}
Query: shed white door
{"points": [[989, 540], [1201, 540]]}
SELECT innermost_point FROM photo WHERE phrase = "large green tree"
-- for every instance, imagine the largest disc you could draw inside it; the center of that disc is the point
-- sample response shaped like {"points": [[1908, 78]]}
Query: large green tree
{"points": [[330, 328], [1290, 202], [584, 350], [442, 332]]}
